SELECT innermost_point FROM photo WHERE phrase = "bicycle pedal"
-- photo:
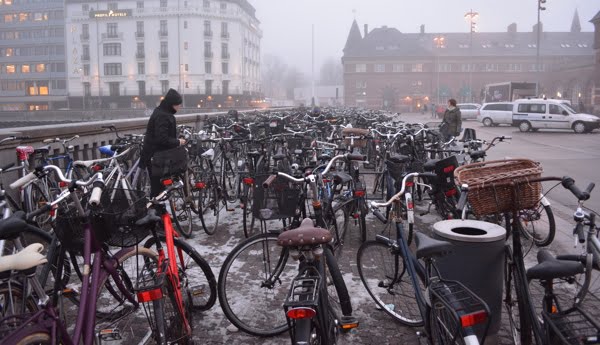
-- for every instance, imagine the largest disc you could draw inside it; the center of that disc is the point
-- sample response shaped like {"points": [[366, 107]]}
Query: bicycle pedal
{"points": [[109, 334], [347, 323]]}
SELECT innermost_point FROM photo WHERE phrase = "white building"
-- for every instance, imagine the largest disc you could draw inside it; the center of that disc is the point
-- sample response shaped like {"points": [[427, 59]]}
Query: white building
{"points": [[128, 53]]}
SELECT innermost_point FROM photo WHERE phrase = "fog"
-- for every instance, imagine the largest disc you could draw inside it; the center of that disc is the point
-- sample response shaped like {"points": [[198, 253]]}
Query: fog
{"points": [[287, 24]]}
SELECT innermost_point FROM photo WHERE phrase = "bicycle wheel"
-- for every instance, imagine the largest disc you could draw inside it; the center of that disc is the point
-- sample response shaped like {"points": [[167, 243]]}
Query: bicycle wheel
{"points": [[35, 339], [384, 275], [442, 325], [169, 319], [231, 178], [538, 224], [14, 302], [211, 206], [197, 279], [253, 284], [250, 224], [516, 306], [181, 213], [339, 298]]}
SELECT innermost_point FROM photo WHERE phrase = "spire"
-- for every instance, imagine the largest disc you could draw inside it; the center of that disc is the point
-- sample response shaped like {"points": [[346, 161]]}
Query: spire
{"points": [[354, 38], [575, 25]]}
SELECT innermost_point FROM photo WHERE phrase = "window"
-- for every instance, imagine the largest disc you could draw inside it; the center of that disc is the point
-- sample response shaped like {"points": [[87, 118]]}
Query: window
{"points": [[163, 3], [112, 69], [85, 7], [225, 87], [113, 89], [139, 4], [25, 68], [164, 86], [208, 87], [111, 30], [207, 49], [40, 68], [86, 70], [86, 52], [397, 68], [141, 88], [185, 46], [206, 4], [208, 67], [379, 68], [112, 49], [225, 68], [59, 84], [514, 67], [555, 109], [164, 48], [185, 24], [417, 67], [224, 50], [532, 108], [112, 6], [360, 84], [467, 67], [207, 29], [23, 17], [87, 89], [10, 69], [141, 68], [163, 28], [139, 26], [445, 67], [224, 29], [85, 31], [140, 50], [164, 67], [361, 68]]}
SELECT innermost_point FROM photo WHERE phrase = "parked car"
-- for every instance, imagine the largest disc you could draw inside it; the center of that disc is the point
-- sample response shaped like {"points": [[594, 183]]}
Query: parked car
{"points": [[496, 113], [468, 111], [536, 114]]}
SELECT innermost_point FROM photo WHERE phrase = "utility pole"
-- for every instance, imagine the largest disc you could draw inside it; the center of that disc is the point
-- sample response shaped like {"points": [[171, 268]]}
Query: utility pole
{"points": [[537, 46], [471, 16], [439, 43], [313, 66]]}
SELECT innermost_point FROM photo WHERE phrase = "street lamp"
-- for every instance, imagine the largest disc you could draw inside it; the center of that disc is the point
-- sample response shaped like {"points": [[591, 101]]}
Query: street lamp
{"points": [[439, 43], [537, 45], [471, 16]]}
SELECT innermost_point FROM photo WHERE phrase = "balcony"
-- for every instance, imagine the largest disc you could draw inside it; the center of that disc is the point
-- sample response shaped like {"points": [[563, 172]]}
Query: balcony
{"points": [[224, 55], [140, 55], [85, 37], [208, 54], [163, 55], [85, 58], [112, 36], [163, 33], [208, 33], [225, 35], [139, 34]]}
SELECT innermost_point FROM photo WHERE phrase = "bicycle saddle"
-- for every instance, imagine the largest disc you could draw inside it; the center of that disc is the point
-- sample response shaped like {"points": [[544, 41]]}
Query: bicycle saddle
{"points": [[399, 159], [12, 227], [477, 154], [149, 219], [430, 164], [305, 234], [341, 177], [43, 149], [550, 267], [428, 247], [279, 156], [210, 153], [29, 257]]}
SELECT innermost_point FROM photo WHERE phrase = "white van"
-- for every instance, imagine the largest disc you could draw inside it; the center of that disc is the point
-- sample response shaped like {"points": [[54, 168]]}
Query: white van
{"points": [[536, 114], [495, 114]]}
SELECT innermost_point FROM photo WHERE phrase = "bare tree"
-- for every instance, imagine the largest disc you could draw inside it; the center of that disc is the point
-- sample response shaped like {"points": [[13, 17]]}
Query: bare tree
{"points": [[279, 79], [293, 79], [331, 72]]}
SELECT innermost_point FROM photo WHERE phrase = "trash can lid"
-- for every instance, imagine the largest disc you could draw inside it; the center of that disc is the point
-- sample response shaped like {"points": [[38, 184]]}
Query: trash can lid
{"points": [[469, 230]]}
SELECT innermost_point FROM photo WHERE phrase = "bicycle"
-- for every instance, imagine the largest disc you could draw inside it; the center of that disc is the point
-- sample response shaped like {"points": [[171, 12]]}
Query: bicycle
{"points": [[408, 286]]}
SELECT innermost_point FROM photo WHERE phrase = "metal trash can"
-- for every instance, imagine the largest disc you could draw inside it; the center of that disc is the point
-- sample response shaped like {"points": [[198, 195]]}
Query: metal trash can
{"points": [[477, 261]]}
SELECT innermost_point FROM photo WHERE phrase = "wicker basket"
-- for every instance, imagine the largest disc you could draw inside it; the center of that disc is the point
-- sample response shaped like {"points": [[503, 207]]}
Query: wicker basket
{"points": [[355, 132], [490, 188]]}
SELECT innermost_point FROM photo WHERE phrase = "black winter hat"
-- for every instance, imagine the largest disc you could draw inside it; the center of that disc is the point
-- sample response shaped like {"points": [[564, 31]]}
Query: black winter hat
{"points": [[173, 98]]}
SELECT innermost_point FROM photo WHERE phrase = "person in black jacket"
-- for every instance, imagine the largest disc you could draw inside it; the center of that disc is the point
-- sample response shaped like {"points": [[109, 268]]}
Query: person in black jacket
{"points": [[161, 134]]}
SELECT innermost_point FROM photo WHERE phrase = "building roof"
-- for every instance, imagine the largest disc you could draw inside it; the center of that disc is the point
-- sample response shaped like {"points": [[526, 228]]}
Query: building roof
{"points": [[389, 42], [354, 39], [596, 18]]}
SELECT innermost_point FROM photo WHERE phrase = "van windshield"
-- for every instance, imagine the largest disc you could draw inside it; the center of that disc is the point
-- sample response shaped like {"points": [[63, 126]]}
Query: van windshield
{"points": [[569, 108]]}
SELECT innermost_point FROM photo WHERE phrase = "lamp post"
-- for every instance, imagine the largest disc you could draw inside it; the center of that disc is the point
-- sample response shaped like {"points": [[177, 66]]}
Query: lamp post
{"points": [[540, 8], [439, 43], [471, 16]]}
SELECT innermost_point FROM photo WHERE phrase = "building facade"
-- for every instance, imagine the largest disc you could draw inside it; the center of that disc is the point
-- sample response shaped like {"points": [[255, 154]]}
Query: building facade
{"points": [[128, 53], [384, 68], [32, 55]]}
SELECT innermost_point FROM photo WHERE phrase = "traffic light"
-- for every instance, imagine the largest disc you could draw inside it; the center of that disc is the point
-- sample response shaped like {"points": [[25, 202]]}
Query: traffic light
{"points": [[540, 4]]}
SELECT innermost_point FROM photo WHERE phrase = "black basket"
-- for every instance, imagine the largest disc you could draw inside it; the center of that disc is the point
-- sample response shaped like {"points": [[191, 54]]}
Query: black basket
{"points": [[298, 143], [279, 201], [119, 210], [572, 326], [68, 226]]}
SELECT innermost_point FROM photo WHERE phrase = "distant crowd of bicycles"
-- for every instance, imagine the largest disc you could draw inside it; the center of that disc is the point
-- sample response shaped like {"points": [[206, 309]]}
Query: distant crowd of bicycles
{"points": [[87, 233]]}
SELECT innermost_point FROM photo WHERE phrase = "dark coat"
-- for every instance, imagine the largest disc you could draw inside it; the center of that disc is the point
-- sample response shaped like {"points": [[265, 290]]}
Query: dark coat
{"points": [[452, 122], [161, 132]]}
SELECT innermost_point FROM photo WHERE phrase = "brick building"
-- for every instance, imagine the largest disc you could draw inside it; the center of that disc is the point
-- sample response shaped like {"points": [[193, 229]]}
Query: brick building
{"points": [[384, 68]]}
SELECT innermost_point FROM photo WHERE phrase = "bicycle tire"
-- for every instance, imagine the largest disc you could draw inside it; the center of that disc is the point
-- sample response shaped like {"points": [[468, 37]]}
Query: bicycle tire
{"points": [[372, 258], [38, 199], [175, 331], [247, 301], [537, 227], [248, 220], [339, 294], [520, 327], [35, 339], [181, 213], [202, 281], [211, 205], [231, 179]]}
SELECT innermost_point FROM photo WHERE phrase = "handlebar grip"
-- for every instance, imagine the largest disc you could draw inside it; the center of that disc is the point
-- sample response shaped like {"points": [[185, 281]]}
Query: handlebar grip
{"points": [[356, 157], [380, 216], [579, 232], [269, 180], [23, 181], [25, 137], [44, 209], [506, 137], [96, 193], [590, 187], [569, 184], [48, 141]]}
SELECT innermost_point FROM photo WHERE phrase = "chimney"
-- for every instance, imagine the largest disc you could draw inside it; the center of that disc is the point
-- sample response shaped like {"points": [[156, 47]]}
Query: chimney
{"points": [[366, 29], [512, 28], [422, 29]]}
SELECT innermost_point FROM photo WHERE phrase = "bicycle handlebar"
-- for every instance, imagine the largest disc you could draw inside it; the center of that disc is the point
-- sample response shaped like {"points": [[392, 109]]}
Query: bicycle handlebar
{"points": [[397, 196], [569, 184]]}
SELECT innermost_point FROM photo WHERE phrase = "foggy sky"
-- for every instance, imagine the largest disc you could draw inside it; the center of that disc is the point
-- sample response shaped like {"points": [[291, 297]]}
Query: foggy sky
{"points": [[286, 24]]}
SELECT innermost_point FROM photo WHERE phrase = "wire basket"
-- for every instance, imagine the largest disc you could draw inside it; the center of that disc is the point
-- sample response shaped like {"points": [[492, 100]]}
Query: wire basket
{"points": [[297, 143], [573, 326], [355, 132], [278, 201], [119, 210], [490, 188], [69, 226]]}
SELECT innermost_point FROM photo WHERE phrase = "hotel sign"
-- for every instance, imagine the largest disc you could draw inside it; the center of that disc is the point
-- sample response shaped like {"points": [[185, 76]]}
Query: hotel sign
{"points": [[110, 14]]}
